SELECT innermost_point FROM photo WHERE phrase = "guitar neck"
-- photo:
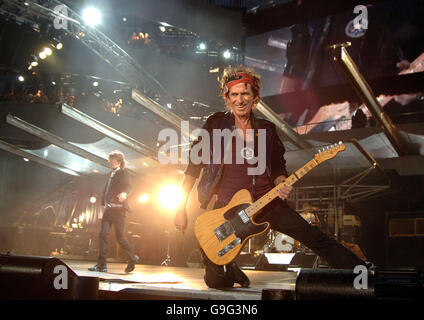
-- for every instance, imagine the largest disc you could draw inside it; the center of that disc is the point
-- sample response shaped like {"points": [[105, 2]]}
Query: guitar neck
{"points": [[255, 207]]}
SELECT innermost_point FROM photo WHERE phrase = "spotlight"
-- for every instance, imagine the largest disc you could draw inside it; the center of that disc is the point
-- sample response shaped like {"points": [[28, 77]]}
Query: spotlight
{"points": [[57, 44], [42, 55], [170, 197], [143, 198], [91, 16], [93, 199], [21, 78], [202, 46], [162, 28], [48, 51], [227, 54], [95, 84], [34, 61]]}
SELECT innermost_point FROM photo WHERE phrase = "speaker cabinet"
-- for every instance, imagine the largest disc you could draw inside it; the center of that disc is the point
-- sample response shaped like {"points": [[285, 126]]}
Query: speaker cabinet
{"points": [[405, 239]]}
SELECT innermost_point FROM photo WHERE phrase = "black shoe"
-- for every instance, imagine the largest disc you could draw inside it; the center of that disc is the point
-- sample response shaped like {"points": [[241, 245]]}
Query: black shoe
{"points": [[239, 276], [131, 265], [99, 268]]}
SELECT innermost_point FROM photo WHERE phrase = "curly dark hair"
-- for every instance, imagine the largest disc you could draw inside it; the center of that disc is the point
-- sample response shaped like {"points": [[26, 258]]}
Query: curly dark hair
{"points": [[119, 156]]}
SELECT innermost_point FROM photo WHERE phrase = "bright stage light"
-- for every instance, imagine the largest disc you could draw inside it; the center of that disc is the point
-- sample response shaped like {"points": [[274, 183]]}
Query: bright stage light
{"points": [[21, 78], [227, 54], [42, 55], [143, 198], [59, 46], [170, 197], [93, 199], [48, 51], [202, 46], [91, 16]]}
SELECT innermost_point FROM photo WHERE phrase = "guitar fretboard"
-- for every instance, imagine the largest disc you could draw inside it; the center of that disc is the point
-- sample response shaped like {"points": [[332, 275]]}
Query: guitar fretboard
{"points": [[273, 193]]}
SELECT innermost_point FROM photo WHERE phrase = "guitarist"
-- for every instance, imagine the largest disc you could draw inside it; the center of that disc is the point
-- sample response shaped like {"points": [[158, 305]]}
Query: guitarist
{"points": [[116, 205], [240, 89]]}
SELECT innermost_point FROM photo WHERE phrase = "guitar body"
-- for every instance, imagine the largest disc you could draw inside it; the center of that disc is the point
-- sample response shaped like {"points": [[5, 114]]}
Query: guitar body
{"points": [[222, 233]]}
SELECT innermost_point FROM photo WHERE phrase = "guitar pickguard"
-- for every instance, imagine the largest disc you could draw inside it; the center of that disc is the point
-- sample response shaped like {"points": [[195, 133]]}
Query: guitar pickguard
{"points": [[243, 228], [224, 231]]}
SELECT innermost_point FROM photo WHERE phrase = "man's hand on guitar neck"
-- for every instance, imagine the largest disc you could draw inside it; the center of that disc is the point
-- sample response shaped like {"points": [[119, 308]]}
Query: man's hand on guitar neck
{"points": [[284, 191]]}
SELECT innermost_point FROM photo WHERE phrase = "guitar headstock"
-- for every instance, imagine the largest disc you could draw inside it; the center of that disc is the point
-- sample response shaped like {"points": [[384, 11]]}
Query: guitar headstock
{"points": [[329, 152]]}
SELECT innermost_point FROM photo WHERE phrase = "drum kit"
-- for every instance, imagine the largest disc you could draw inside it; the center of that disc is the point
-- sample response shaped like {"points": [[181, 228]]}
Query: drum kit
{"points": [[277, 242]]}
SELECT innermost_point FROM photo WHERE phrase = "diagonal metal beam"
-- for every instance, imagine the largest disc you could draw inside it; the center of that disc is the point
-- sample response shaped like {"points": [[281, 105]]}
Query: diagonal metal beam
{"points": [[368, 97], [292, 135], [19, 152], [53, 139], [108, 131], [157, 109]]}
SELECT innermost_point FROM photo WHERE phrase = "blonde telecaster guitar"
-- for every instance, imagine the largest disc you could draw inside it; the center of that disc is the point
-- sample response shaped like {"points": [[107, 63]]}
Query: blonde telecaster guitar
{"points": [[222, 233]]}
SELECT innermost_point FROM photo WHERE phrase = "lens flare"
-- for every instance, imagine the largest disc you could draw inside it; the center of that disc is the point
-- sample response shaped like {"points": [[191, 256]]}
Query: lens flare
{"points": [[170, 197]]}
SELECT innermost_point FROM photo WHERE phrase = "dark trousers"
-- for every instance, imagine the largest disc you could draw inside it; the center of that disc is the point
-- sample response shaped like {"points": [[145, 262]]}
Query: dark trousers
{"points": [[285, 220], [116, 218]]}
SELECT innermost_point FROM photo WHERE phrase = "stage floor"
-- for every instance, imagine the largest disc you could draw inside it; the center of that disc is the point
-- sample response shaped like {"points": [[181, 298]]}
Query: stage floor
{"points": [[182, 283]]}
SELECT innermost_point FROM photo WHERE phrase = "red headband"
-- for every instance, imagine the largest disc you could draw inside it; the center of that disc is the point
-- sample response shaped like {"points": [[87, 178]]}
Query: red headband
{"points": [[240, 78]]}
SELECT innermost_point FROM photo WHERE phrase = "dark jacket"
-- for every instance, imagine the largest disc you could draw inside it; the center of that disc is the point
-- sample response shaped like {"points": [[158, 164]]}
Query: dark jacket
{"points": [[120, 182], [275, 162]]}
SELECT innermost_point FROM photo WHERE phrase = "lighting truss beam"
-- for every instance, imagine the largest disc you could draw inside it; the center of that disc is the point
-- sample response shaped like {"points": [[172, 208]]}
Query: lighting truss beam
{"points": [[47, 136], [157, 109], [107, 131], [24, 154], [91, 37]]}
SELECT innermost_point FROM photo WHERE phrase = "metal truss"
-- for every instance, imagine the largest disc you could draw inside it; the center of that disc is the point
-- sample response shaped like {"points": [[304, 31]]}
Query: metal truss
{"points": [[36, 13], [52, 11], [331, 199]]}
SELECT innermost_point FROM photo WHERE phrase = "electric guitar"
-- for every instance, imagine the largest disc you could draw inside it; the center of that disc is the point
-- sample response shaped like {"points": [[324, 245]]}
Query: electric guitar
{"points": [[222, 233]]}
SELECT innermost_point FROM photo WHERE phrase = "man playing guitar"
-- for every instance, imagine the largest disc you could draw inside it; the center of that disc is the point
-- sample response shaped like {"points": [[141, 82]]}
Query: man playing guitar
{"points": [[240, 89]]}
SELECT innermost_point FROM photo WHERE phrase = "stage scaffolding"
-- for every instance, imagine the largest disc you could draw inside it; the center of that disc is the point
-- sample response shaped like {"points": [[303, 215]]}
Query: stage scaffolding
{"points": [[330, 199]]}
